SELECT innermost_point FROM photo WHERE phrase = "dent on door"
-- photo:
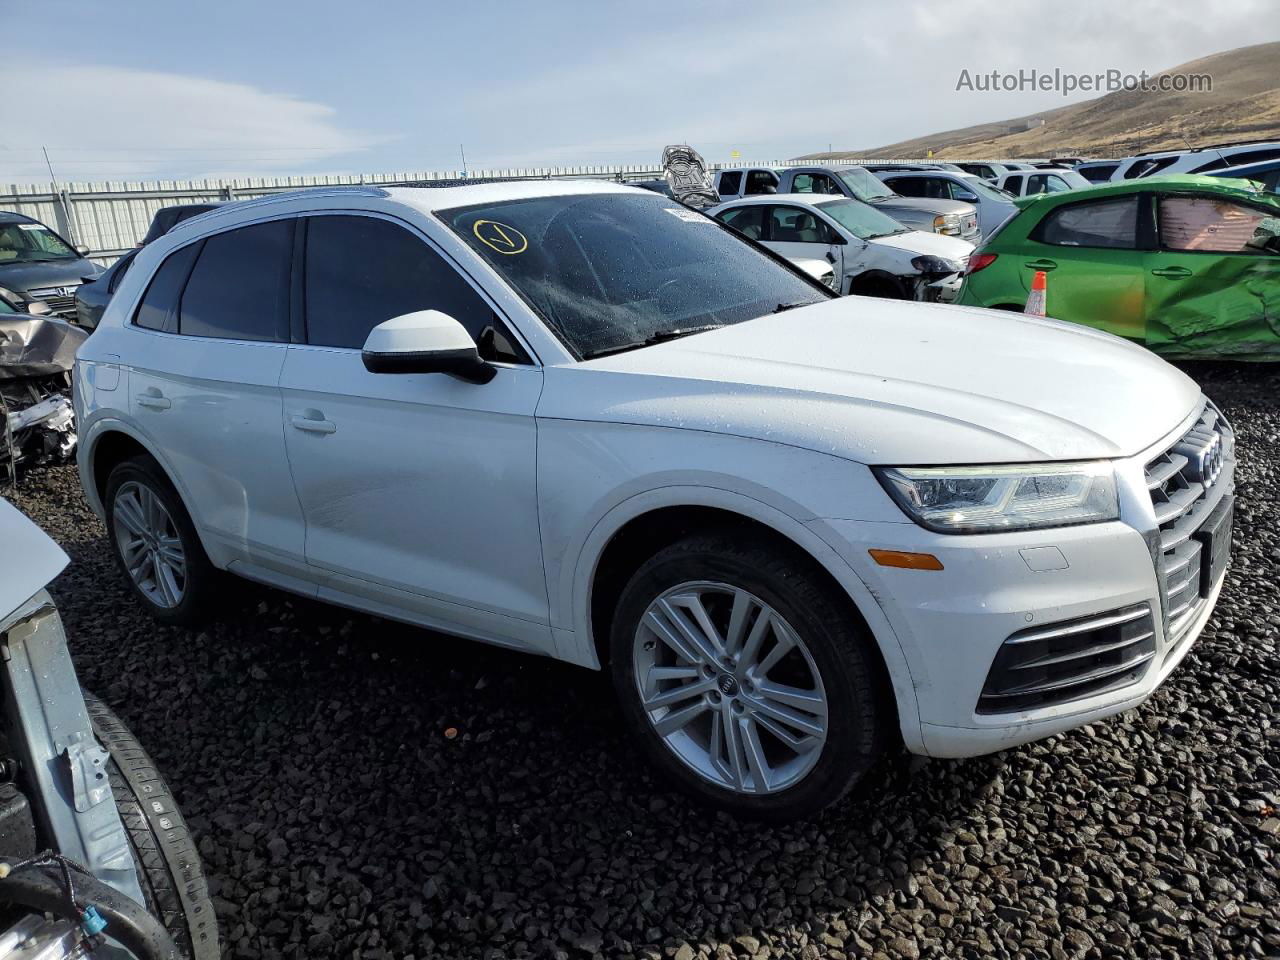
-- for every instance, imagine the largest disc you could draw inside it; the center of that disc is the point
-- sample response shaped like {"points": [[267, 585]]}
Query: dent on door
{"points": [[1220, 306]]}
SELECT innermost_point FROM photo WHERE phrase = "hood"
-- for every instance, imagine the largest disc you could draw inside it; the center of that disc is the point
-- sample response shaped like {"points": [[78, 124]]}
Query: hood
{"points": [[21, 277], [892, 382], [924, 205], [28, 561], [917, 243], [35, 346]]}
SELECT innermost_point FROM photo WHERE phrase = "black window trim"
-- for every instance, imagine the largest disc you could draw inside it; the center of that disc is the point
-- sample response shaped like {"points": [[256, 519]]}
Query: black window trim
{"points": [[1036, 232], [511, 328], [1157, 236]]}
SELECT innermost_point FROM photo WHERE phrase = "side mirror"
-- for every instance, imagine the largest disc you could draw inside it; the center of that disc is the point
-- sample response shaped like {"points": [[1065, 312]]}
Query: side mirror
{"points": [[426, 341], [82, 249], [967, 197]]}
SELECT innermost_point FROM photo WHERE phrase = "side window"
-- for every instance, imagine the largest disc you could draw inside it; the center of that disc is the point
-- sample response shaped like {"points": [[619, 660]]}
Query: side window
{"points": [[1212, 225], [122, 267], [748, 221], [730, 183], [1104, 223], [361, 271], [803, 183], [1046, 183], [1254, 156], [906, 186], [1013, 184], [796, 225], [239, 288], [824, 184], [159, 307], [761, 181]]}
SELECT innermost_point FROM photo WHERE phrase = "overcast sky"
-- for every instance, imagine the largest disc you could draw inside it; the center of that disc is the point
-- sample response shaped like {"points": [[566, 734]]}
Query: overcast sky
{"points": [[145, 89]]}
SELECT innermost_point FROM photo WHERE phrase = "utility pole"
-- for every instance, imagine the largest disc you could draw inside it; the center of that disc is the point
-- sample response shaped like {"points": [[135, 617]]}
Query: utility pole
{"points": [[464, 159], [49, 164]]}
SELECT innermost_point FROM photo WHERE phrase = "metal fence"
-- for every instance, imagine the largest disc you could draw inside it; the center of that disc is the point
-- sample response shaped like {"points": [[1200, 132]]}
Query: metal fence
{"points": [[110, 218]]}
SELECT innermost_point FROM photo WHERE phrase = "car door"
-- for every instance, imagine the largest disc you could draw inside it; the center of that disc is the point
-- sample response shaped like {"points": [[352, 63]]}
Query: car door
{"points": [[1213, 276], [1090, 254], [207, 344], [798, 232], [419, 490]]}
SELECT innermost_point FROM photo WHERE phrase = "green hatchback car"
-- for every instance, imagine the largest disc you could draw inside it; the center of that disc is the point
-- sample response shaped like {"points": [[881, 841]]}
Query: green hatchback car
{"points": [[1187, 265]]}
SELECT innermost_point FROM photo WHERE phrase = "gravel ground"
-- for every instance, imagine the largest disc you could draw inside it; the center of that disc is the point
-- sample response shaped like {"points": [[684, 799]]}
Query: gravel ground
{"points": [[360, 788]]}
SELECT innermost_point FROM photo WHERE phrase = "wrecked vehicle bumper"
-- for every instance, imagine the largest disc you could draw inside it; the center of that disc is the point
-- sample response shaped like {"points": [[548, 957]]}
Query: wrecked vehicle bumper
{"points": [[37, 425]]}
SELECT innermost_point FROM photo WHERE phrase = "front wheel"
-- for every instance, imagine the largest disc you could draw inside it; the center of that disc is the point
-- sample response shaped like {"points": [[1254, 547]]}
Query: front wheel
{"points": [[745, 677]]}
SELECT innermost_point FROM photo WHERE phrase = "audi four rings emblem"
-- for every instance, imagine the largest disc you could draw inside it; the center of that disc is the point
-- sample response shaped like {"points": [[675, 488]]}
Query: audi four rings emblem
{"points": [[1209, 462]]}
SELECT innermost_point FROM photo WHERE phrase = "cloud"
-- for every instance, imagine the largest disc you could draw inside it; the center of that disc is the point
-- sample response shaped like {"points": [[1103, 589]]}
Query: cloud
{"points": [[114, 123]]}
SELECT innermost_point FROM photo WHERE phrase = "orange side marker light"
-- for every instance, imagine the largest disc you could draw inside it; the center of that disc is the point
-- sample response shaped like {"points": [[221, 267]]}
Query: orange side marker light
{"points": [[907, 561]]}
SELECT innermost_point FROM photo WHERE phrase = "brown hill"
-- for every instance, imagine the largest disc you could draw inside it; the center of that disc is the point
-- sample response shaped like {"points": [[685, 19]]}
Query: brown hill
{"points": [[1244, 104]]}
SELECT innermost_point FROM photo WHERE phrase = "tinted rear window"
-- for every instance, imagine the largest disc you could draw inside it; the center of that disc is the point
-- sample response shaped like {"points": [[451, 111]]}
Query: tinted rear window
{"points": [[239, 289], [159, 307]]}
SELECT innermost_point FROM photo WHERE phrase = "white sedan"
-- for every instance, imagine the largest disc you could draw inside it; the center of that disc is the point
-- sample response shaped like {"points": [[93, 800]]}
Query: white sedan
{"points": [[872, 254], [581, 420]]}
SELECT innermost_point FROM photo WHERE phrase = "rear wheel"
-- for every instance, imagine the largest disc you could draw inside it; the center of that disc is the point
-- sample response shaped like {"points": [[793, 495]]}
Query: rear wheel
{"points": [[156, 544], [745, 677], [164, 854]]}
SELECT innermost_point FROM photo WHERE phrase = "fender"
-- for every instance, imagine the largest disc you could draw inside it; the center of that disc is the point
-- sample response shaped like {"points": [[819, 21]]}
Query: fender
{"points": [[88, 449], [578, 646]]}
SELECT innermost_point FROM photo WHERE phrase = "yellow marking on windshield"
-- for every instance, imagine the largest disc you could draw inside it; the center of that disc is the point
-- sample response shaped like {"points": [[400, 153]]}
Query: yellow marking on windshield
{"points": [[501, 237]]}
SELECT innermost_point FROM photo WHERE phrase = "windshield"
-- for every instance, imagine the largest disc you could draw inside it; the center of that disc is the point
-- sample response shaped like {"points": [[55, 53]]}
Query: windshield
{"points": [[864, 185], [612, 271], [865, 223], [32, 243]]}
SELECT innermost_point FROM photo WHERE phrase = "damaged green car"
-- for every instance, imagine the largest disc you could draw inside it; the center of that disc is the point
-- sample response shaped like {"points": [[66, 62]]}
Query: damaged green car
{"points": [[1187, 265]]}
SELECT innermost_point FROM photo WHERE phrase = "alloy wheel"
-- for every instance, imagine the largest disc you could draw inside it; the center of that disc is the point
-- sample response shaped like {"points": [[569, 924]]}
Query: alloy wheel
{"points": [[730, 687], [149, 544]]}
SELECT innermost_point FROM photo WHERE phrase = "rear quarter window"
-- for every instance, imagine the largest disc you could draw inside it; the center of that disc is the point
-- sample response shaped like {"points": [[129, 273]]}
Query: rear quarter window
{"points": [[158, 309], [1111, 224]]}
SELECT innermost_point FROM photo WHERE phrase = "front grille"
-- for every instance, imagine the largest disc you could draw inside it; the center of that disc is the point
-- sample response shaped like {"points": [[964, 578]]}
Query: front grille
{"points": [[58, 301], [1190, 486], [1047, 666]]}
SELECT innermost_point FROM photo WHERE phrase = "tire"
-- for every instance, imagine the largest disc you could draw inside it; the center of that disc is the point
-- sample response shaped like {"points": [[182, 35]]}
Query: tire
{"points": [[877, 287], [834, 659], [140, 477], [164, 854]]}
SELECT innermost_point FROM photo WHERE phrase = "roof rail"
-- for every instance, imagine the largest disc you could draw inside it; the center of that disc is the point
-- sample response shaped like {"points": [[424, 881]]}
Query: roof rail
{"points": [[466, 181], [1234, 143]]}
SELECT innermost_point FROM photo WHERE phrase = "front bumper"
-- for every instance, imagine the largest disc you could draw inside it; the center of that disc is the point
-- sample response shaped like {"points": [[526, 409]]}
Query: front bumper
{"points": [[951, 624]]}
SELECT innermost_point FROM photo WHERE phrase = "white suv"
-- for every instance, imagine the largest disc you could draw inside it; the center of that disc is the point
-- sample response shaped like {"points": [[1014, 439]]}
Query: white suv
{"points": [[581, 420]]}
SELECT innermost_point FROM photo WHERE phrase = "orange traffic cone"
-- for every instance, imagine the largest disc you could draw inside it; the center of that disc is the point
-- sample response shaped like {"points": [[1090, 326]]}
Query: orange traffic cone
{"points": [[1039, 293]]}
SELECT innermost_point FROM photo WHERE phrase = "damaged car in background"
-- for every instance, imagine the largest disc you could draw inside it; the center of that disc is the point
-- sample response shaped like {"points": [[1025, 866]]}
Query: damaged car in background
{"points": [[871, 254], [95, 859], [37, 352], [38, 265]]}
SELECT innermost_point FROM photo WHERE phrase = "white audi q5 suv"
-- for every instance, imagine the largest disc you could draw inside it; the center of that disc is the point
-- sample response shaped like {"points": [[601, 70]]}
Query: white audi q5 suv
{"points": [[581, 420]]}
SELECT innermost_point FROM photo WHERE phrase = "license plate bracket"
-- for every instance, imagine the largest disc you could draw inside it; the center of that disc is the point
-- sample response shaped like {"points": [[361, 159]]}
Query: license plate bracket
{"points": [[1215, 542]]}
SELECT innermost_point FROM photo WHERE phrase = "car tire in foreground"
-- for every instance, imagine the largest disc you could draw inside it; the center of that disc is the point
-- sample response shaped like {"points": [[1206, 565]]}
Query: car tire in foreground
{"points": [[167, 862], [155, 543], [746, 677]]}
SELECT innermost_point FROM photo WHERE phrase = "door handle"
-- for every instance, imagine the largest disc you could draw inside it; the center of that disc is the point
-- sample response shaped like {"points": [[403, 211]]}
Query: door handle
{"points": [[153, 399], [313, 424], [1040, 265], [1173, 273]]}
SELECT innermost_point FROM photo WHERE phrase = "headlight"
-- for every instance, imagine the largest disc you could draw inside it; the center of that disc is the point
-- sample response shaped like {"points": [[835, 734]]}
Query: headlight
{"points": [[947, 223], [931, 264], [991, 499]]}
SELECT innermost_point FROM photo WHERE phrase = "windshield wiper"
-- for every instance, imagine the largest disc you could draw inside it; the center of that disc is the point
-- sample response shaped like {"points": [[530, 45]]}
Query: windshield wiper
{"points": [[783, 307], [658, 336], [661, 336]]}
